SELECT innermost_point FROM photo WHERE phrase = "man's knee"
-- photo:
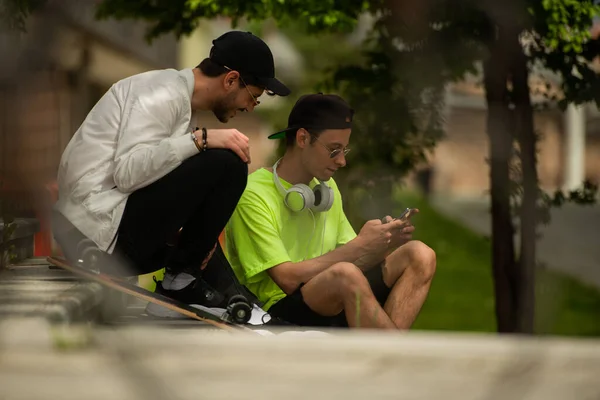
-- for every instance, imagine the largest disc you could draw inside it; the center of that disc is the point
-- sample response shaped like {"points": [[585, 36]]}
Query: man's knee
{"points": [[422, 258], [349, 278], [229, 163], [232, 169]]}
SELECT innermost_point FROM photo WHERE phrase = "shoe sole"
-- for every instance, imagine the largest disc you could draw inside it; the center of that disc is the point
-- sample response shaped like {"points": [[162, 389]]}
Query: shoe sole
{"points": [[158, 311]]}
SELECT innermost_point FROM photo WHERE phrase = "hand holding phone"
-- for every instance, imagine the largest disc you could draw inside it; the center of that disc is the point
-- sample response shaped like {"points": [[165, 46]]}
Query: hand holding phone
{"points": [[401, 229]]}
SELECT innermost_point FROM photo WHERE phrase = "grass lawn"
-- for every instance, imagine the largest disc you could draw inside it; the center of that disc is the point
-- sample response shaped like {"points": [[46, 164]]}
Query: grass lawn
{"points": [[462, 297]]}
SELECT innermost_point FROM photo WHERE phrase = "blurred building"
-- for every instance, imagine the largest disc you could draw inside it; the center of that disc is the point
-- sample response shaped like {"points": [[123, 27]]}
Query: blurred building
{"points": [[50, 77], [53, 75], [569, 144]]}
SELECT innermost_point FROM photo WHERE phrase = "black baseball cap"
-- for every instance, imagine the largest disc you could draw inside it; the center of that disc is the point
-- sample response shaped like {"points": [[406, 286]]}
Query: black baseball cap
{"points": [[318, 111], [250, 56]]}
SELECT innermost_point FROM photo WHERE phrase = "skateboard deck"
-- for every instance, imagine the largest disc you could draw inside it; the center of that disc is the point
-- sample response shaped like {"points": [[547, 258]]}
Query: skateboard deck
{"points": [[126, 287]]}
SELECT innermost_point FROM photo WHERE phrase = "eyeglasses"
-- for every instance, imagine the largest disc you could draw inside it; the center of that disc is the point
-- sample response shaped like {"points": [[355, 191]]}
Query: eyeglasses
{"points": [[333, 153], [256, 101]]}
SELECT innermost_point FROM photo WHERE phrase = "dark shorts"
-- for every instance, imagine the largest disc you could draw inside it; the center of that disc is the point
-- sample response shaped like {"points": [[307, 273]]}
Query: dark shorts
{"points": [[294, 310]]}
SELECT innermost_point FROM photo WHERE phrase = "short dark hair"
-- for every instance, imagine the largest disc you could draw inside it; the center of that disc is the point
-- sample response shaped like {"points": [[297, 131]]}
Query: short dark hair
{"points": [[212, 70], [290, 136]]}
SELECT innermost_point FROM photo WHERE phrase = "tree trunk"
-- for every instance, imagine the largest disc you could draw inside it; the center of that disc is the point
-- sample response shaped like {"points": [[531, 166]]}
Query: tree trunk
{"points": [[527, 142], [496, 73]]}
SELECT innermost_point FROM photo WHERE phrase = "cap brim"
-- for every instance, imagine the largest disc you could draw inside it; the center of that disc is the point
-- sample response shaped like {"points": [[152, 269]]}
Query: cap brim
{"points": [[281, 134], [275, 86]]}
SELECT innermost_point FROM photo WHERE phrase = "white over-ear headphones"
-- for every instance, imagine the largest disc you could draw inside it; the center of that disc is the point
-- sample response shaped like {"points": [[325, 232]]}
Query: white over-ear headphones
{"points": [[301, 196]]}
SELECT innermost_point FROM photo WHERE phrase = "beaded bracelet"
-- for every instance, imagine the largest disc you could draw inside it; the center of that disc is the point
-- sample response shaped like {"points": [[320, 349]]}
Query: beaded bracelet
{"points": [[204, 139]]}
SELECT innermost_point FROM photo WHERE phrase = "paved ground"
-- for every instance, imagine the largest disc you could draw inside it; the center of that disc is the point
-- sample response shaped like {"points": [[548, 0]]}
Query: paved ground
{"points": [[570, 243]]}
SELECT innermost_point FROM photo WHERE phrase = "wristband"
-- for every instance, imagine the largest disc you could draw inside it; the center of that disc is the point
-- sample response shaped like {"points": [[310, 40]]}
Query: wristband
{"points": [[195, 139]]}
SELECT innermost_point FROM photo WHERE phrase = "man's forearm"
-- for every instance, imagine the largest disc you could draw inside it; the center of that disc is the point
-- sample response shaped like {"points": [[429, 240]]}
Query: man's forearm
{"points": [[349, 252], [289, 275]]}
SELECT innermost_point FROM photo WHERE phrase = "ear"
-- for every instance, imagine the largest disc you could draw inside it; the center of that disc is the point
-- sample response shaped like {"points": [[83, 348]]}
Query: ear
{"points": [[230, 79], [302, 138]]}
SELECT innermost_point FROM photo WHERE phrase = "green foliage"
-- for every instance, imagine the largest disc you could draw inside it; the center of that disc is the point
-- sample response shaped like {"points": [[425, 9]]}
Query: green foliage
{"points": [[398, 90], [562, 43], [181, 17], [398, 119], [566, 23]]}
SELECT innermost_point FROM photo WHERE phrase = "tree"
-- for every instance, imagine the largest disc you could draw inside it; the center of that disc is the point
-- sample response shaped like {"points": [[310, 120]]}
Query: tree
{"points": [[413, 50], [510, 39], [14, 13], [554, 34]]}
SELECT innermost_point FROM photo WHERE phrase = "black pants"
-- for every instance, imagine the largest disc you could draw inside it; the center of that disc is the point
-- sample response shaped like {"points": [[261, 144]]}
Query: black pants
{"points": [[197, 197], [293, 309]]}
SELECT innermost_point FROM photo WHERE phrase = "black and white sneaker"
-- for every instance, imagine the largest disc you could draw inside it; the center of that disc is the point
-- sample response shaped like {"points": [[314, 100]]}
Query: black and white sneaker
{"points": [[196, 293]]}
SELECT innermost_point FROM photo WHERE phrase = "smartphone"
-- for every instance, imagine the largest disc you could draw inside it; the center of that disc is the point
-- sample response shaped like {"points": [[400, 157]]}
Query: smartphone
{"points": [[406, 214]]}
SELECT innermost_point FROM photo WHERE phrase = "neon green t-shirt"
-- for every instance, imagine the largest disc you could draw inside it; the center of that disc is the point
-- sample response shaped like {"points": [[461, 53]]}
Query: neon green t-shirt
{"points": [[263, 232]]}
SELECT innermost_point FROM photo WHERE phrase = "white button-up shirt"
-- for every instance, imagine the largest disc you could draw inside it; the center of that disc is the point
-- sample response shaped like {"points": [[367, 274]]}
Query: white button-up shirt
{"points": [[138, 132]]}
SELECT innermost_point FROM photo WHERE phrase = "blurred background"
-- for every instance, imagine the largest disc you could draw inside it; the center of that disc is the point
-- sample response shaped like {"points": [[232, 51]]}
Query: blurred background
{"points": [[458, 104]]}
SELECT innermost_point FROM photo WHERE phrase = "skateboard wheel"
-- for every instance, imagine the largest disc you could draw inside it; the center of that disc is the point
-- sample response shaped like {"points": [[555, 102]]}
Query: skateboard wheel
{"points": [[240, 313], [90, 258], [237, 298], [239, 309]]}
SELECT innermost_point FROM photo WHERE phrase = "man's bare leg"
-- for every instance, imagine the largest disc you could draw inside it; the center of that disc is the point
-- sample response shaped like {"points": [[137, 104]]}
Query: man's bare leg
{"points": [[343, 286], [408, 271]]}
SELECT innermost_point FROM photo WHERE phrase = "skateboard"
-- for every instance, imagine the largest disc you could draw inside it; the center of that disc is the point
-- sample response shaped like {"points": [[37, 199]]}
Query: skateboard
{"points": [[238, 308]]}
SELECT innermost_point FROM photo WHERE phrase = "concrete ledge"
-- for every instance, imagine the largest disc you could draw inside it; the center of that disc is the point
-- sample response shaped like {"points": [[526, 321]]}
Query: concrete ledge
{"points": [[31, 289], [152, 363], [76, 304]]}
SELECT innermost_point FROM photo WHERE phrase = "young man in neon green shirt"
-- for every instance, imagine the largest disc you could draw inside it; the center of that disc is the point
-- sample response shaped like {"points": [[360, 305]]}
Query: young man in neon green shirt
{"points": [[290, 243]]}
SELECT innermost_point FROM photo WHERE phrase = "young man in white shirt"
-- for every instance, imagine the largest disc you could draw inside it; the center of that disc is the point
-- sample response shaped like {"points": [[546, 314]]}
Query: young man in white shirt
{"points": [[146, 185]]}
